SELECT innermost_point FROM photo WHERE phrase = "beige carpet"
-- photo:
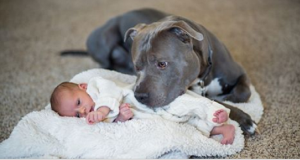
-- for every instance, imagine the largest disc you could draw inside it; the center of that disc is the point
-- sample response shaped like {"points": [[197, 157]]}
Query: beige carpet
{"points": [[263, 36]]}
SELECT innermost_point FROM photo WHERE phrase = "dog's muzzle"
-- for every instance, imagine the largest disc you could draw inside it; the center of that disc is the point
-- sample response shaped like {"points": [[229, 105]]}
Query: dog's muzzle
{"points": [[142, 97]]}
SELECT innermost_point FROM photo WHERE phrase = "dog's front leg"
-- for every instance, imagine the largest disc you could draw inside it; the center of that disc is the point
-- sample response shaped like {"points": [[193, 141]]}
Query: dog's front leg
{"points": [[246, 123]]}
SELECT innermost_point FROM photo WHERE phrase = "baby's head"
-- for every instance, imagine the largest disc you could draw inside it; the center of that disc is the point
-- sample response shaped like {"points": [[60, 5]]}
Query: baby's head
{"points": [[71, 100]]}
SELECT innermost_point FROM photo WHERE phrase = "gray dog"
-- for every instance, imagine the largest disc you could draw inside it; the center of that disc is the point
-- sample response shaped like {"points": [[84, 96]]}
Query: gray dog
{"points": [[170, 54]]}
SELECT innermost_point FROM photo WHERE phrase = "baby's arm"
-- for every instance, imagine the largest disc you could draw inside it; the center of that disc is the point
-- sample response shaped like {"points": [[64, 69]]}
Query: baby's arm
{"points": [[106, 93], [97, 116]]}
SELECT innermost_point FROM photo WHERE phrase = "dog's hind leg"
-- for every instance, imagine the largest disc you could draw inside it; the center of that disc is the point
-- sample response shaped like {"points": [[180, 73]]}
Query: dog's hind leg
{"points": [[121, 60], [241, 91], [102, 41]]}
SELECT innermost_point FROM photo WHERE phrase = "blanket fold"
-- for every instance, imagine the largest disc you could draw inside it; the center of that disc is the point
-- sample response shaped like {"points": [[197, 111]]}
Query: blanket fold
{"points": [[44, 134]]}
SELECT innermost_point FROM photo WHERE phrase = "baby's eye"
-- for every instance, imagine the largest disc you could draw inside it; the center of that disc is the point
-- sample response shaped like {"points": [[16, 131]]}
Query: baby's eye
{"points": [[78, 102]]}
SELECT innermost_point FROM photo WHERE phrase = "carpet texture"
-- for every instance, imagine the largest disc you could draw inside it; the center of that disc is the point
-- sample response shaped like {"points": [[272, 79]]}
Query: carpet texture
{"points": [[263, 36]]}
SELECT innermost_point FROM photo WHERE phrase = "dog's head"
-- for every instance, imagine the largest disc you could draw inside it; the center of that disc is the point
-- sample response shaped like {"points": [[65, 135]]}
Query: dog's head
{"points": [[164, 59]]}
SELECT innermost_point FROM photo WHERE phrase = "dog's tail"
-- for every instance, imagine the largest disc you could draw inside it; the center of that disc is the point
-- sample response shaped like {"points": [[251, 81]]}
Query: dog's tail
{"points": [[74, 53]]}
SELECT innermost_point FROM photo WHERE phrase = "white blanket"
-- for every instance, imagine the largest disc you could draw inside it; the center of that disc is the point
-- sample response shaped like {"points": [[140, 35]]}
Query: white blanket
{"points": [[44, 134]]}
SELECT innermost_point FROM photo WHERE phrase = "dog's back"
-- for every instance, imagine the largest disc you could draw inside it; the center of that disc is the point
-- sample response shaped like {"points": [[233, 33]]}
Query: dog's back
{"points": [[106, 44]]}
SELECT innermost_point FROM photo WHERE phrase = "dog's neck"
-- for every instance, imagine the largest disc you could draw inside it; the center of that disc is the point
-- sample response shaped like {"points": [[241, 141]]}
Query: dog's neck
{"points": [[198, 84], [204, 74]]}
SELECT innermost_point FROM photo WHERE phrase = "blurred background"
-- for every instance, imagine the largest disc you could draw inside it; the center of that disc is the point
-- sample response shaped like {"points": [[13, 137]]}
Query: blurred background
{"points": [[263, 36]]}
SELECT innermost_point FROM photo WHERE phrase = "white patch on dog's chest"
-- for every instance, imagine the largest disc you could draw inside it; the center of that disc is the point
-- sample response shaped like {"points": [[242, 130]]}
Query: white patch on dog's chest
{"points": [[212, 89]]}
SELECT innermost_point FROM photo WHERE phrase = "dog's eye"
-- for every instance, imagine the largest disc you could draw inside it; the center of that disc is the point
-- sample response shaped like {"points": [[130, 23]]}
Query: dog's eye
{"points": [[162, 65]]}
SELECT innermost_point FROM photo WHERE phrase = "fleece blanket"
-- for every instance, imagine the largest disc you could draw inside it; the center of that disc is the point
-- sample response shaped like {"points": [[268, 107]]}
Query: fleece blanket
{"points": [[44, 134]]}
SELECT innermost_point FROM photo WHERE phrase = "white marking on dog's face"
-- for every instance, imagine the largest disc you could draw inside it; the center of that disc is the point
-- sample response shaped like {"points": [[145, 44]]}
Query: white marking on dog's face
{"points": [[141, 77], [214, 88]]}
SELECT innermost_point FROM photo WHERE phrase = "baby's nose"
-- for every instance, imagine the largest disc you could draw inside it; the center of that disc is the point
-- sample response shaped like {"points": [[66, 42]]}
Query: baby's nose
{"points": [[82, 110]]}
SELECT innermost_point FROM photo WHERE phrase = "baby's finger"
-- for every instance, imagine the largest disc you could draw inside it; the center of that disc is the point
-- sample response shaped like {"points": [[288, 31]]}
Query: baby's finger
{"points": [[99, 117], [216, 113], [123, 109], [128, 111], [215, 119], [127, 105], [89, 120], [128, 108], [130, 114], [95, 117], [125, 112], [123, 105]]}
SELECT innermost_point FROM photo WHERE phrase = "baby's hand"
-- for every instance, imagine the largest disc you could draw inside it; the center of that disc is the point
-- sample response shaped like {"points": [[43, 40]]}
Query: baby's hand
{"points": [[95, 117], [125, 113], [221, 116]]}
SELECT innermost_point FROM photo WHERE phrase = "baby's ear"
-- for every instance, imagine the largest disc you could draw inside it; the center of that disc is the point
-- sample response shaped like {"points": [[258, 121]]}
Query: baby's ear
{"points": [[82, 86]]}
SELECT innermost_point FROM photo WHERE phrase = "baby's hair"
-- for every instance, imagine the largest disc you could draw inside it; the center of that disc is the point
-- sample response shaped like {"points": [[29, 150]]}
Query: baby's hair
{"points": [[54, 99]]}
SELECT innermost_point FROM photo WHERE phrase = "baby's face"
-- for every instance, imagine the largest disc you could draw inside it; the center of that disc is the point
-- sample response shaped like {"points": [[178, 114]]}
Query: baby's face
{"points": [[76, 103]]}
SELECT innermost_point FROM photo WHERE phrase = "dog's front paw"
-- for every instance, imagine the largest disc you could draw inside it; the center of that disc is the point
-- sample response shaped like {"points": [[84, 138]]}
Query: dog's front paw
{"points": [[248, 126], [246, 123]]}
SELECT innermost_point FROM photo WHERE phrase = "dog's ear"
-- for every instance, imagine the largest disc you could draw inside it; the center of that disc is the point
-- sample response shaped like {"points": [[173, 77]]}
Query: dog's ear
{"points": [[132, 32], [184, 31], [206, 46]]}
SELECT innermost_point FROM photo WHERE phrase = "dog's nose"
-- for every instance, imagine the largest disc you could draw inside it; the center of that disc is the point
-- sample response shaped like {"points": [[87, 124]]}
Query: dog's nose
{"points": [[142, 97]]}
